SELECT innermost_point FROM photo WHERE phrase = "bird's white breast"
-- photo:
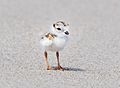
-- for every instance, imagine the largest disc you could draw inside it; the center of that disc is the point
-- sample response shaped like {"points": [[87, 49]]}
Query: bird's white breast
{"points": [[58, 44]]}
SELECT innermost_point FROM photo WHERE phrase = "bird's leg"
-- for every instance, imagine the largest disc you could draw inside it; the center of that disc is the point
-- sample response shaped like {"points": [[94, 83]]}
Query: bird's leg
{"points": [[46, 59], [58, 67]]}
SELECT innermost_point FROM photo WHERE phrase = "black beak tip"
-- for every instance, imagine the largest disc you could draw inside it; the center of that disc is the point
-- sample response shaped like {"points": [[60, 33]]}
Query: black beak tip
{"points": [[67, 33]]}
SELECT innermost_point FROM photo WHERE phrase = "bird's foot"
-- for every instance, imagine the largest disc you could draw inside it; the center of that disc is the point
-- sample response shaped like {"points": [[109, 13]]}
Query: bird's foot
{"points": [[59, 68], [49, 68]]}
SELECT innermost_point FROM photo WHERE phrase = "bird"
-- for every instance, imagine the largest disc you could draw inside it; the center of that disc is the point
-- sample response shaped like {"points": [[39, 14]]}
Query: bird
{"points": [[55, 40]]}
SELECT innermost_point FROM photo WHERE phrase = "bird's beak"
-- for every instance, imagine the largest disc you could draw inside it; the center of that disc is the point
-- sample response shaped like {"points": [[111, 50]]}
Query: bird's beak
{"points": [[67, 33]]}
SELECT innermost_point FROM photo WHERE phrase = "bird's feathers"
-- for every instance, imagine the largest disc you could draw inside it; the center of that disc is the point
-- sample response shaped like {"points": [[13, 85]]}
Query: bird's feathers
{"points": [[55, 40]]}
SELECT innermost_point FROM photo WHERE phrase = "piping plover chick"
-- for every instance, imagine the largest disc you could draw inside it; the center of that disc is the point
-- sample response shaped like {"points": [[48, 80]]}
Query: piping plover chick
{"points": [[55, 40]]}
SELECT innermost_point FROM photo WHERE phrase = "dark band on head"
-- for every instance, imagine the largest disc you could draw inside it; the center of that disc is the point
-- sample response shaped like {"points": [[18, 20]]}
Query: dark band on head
{"points": [[54, 25], [62, 23]]}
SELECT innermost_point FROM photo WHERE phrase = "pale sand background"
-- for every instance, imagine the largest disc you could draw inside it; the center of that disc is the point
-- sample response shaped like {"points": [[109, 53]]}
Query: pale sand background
{"points": [[93, 53]]}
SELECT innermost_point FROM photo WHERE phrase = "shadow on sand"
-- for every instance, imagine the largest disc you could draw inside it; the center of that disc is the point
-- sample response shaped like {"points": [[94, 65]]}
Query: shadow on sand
{"points": [[71, 69]]}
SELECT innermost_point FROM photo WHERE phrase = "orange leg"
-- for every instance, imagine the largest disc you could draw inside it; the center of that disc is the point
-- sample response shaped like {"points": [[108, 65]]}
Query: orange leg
{"points": [[58, 67], [46, 59]]}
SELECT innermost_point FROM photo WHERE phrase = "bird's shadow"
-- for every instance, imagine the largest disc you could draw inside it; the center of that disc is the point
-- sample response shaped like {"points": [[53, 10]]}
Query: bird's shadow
{"points": [[71, 69]]}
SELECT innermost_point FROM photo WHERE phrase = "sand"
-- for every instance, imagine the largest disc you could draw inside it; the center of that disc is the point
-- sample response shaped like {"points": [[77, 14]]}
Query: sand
{"points": [[92, 54]]}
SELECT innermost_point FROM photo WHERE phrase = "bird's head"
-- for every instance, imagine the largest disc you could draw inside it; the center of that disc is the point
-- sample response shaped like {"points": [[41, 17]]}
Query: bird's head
{"points": [[60, 28]]}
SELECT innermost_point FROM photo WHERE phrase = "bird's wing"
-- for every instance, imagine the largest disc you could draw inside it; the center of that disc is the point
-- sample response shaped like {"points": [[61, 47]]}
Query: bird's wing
{"points": [[47, 39]]}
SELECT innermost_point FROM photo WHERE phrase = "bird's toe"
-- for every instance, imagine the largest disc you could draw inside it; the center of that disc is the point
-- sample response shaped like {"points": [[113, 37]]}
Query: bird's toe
{"points": [[59, 68], [49, 68]]}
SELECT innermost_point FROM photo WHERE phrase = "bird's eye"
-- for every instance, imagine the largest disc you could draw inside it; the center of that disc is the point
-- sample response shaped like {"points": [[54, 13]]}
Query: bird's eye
{"points": [[59, 28]]}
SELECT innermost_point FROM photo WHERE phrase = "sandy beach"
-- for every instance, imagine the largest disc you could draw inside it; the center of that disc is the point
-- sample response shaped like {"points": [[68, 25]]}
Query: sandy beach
{"points": [[92, 54]]}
